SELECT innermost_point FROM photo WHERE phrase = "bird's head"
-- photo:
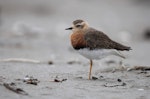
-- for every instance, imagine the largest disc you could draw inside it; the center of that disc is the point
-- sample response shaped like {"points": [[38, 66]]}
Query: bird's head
{"points": [[78, 25]]}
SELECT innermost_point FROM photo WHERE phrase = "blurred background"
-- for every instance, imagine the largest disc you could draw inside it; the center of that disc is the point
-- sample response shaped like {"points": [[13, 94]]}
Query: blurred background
{"points": [[35, 29]]}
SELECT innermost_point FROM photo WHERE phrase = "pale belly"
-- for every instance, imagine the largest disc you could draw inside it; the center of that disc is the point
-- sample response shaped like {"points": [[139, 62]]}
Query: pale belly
{"points": [[99, 53]]}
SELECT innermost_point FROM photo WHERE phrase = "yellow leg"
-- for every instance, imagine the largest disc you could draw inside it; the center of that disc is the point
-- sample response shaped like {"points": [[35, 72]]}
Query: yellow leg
{"points": [[91, 63]]}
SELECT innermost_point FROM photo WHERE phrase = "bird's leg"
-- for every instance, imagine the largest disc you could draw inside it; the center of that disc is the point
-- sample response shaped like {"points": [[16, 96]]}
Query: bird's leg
{"points": [[91, 63]]}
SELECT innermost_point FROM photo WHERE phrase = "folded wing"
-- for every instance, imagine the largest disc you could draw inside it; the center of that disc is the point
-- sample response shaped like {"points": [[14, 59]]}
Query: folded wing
{"points": [[98, 40]]}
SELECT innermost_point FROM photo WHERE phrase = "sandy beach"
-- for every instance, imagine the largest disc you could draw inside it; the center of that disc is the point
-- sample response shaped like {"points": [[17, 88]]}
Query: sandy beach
{"points": [[38, 62]]}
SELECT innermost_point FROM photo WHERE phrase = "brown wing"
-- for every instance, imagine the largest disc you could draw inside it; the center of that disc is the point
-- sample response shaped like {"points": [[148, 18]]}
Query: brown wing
{"points": [[98, 40]]}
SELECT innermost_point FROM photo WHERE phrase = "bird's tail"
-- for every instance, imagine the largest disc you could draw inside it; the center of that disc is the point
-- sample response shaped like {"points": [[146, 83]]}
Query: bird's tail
{"points": [[121, 47]]}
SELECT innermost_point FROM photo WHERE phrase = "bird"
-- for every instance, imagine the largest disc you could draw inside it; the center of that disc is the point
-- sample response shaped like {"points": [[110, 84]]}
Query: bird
{"points": [[92, 43]]}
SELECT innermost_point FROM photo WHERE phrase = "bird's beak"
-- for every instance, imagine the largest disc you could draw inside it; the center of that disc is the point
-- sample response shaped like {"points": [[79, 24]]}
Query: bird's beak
{"points": [[69, 28]]}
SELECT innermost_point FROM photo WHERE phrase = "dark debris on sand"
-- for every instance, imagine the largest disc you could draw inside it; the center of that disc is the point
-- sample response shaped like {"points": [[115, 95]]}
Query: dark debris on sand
{"points": [[94, 78], [14, 88], [31, 80], [116, 85], [50, 62], [56, 79], [142, 68], [73, 62]]}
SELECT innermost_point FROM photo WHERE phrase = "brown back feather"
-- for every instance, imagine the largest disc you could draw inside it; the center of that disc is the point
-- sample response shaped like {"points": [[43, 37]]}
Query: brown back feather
{"points": [[98, 40]]}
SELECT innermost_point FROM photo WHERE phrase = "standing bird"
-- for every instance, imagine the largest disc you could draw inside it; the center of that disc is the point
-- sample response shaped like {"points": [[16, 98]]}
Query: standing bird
{"points": [[93, 44]]}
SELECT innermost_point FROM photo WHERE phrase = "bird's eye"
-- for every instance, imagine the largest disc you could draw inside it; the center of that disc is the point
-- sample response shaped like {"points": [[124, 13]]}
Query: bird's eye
{"points": [[78, 25]]}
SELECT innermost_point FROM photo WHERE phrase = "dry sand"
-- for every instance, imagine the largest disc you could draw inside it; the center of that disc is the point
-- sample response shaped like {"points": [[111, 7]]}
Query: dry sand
{"points": [[38, 46], [114, 81]]}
